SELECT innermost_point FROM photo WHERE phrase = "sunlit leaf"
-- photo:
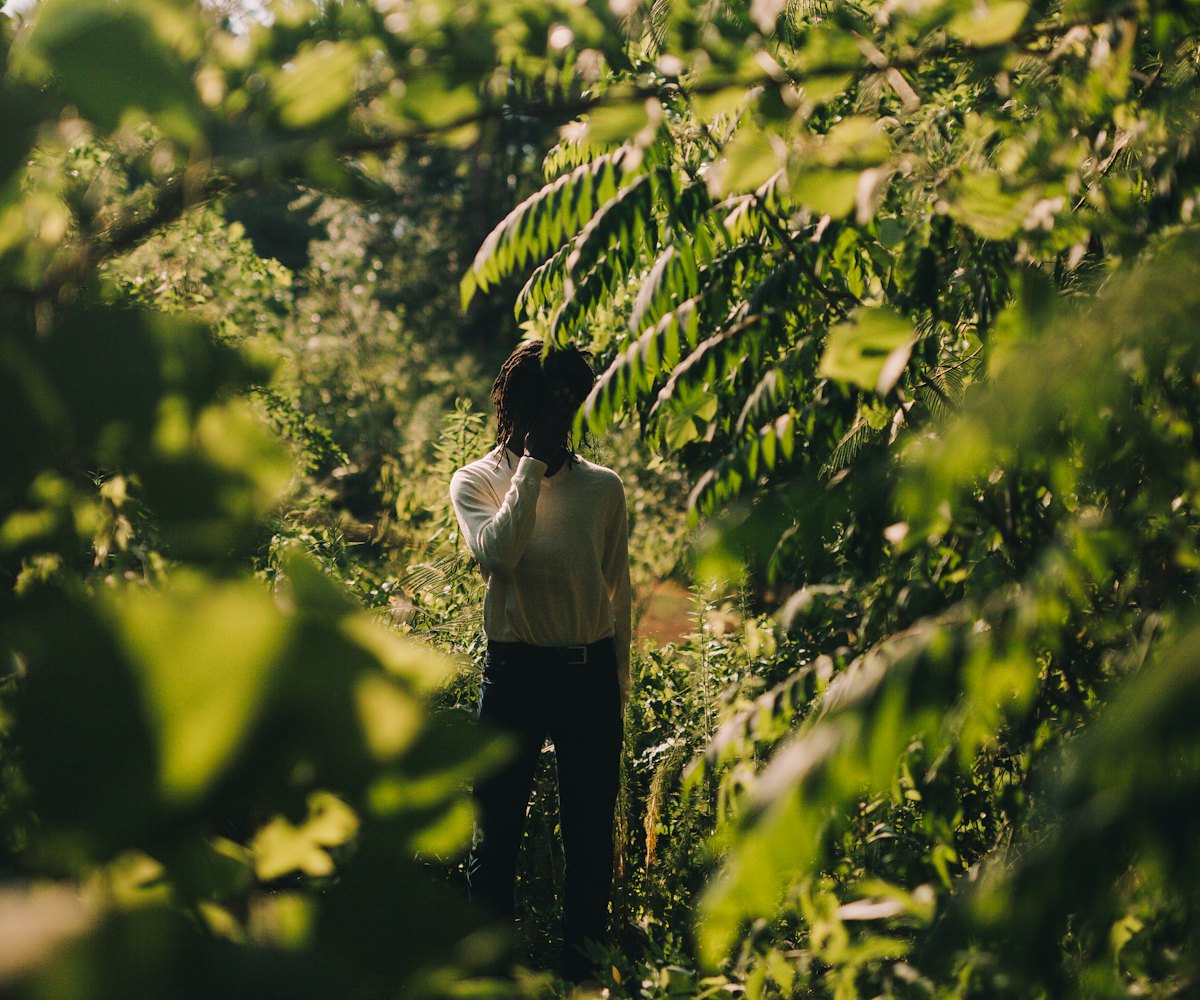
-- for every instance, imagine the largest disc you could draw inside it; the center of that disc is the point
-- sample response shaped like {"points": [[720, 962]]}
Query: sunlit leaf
{"points": [[205, 654], [980, 202], [391, 718], [690, 404], [825, 191], [449, 833], [316, 84], [748, 160], [416, 662], [719, 102], [281, 847], [857, 141], [613, 124], [983, 25], [869, 350]]}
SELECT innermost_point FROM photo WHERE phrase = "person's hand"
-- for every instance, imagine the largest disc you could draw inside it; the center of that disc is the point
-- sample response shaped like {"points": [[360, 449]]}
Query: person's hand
{"points": [[545, 437]]}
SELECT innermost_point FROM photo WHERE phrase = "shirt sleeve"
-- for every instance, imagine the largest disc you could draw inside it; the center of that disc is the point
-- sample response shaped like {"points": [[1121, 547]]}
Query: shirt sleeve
{"points": [[497, 535], [620, 592]]}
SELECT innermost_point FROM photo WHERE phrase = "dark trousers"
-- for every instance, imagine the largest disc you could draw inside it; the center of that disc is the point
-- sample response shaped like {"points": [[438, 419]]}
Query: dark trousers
{"points": [[530, 693]]}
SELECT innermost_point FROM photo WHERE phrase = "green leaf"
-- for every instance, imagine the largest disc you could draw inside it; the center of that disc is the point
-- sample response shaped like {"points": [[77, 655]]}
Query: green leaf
{"points": [[822, 89], [416, 663], [448, 833], [281, 847], [858, 140], [726, 101], [391, 718], [115, 61], [204, 654], [614, 124], [436, 103], [982, 25], [826, 192], [315, 85], [869, 350], [689, 405], [749, 159], [542, 221], [782, 845], [979, 202], [212, 483]]}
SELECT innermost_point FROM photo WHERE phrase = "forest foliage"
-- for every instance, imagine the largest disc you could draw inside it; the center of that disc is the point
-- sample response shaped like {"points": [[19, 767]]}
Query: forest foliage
{"points": [[900, 297]]}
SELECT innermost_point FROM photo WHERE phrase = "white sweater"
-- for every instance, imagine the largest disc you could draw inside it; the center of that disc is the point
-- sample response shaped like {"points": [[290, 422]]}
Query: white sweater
{"points": [[554, 550]]}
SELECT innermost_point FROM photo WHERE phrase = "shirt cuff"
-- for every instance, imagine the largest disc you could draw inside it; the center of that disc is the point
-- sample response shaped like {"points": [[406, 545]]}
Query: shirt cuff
{"points": [[530, 467]]}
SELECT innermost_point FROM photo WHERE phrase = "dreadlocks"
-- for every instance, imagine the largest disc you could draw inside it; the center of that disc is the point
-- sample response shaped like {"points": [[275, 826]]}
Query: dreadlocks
{"points": [[522, 389]]}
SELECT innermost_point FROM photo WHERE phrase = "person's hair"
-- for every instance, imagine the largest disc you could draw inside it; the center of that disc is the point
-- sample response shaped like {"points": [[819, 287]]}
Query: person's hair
{"points": [[520, 390]]}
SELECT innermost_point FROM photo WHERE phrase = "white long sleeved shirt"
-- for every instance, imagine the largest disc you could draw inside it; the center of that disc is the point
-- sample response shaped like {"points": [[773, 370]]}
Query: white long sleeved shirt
{"points": [[554, 551]]}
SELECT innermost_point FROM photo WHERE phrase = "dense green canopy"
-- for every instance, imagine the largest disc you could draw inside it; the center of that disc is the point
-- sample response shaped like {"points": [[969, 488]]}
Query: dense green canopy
{"points": [[909, 291]]}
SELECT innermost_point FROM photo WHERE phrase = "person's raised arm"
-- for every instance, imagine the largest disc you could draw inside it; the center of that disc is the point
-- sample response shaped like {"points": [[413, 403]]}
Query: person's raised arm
{"points": [[496, 535], [620, 592]]}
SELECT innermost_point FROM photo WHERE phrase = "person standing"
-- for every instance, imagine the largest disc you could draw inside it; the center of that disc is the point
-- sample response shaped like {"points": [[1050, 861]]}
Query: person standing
{"points": [[549, 530]]}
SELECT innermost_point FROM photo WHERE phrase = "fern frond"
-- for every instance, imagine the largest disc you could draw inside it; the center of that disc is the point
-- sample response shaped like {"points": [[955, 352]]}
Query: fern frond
{"points": [[738, 468], [701, 353], [624, 218], [772, 388], [423, 577], [635, 369], [676, 274], [548, 218], [574, 150], [848, 448], [544, 284]]}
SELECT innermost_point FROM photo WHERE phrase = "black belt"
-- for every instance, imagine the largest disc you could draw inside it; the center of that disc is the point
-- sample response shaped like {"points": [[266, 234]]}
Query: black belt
{"points": [[571, 655]]}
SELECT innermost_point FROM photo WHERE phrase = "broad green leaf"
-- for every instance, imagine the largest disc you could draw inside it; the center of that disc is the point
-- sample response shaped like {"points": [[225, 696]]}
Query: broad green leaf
{"points": [[118, 60], [826, 192], [212, 483], [767, 442], [436, 102], [316, 84], [88, 745], [869, 350], [983, 25], [448, 833], [749, 159], [822, 89], [281, 847], [829, 47], [391, 718], [781, 846], [858, 141], [204, 654], [613, 124], [689, 405], [979, 202], [719, 102]]}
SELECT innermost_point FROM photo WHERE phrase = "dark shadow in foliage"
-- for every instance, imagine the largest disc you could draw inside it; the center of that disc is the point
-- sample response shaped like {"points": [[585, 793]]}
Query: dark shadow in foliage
{"points": [[1127, 796], [86, 745], [276, 228]]}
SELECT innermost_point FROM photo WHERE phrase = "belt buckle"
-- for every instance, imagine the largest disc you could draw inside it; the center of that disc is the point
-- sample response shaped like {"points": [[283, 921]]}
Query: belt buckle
{"points": [[582, 650]]}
